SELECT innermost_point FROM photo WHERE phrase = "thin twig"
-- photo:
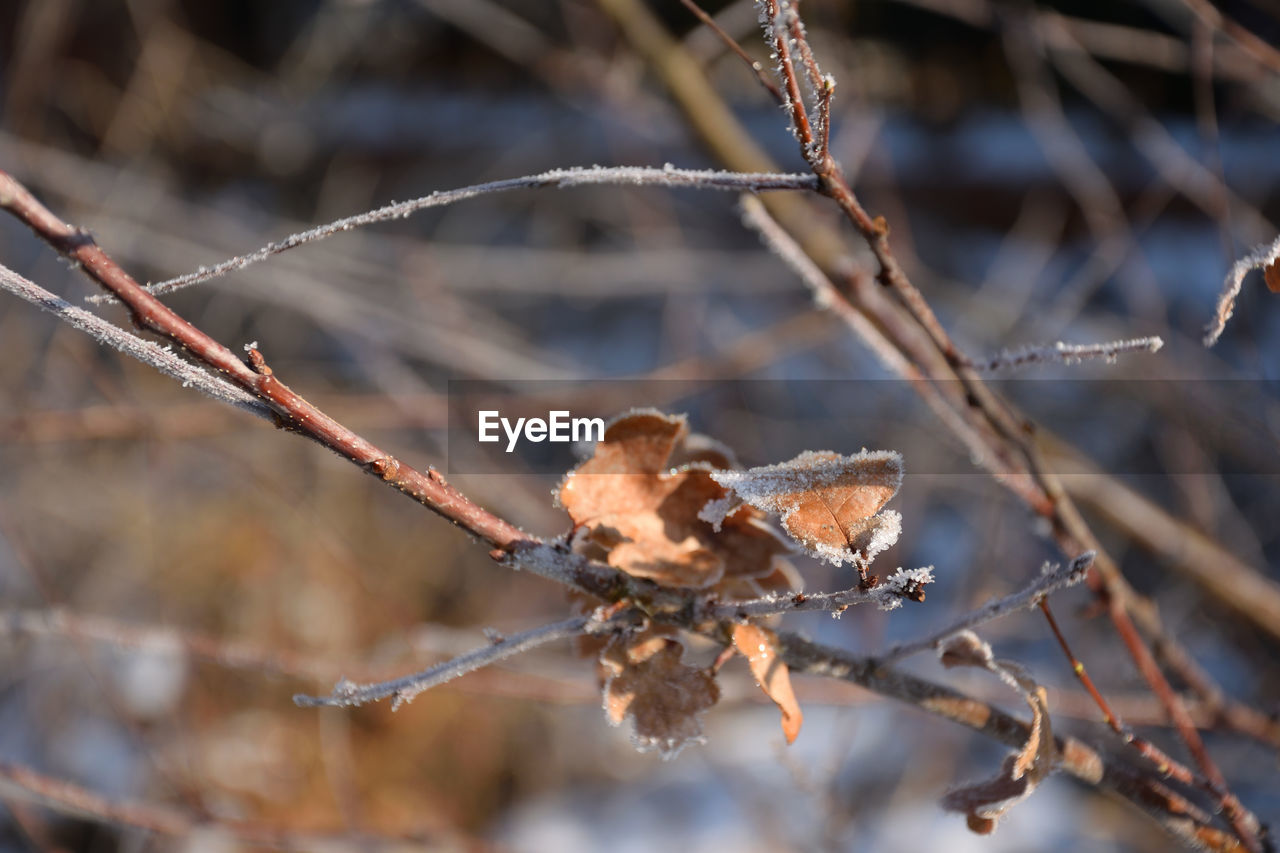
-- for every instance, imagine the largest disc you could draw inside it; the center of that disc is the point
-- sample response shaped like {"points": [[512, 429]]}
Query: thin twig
{"points": [[161, 358], [1260, 258], [1064, 353], [737, 49], [1051, 579], [887, 595], [1162, 762], [348, 694], [669, 177], [825, 294]]}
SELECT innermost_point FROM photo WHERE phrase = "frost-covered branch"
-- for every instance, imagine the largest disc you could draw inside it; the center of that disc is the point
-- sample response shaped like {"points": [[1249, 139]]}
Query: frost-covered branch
{"points": [[347, 693], [1064, 353], [888, 595], [1266, 258], [825, 295], [667, 176], [161, 358], [1051, 579]]}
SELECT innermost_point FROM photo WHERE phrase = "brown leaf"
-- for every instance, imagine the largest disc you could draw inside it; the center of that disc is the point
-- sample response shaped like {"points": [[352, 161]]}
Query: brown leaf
{"points": [[829, 503], [760, 647], [647, 682], [640, 514], [1271, 274], [985, 802]]}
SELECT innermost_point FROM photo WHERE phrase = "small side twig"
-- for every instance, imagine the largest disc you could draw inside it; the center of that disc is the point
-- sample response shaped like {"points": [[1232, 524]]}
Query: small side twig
{"points": [[888, 595], [349, 694], [669, 176], [154, 355], [1262, 257], [1163, 763], [1051, 579], [1064, 353], [737, 49]]}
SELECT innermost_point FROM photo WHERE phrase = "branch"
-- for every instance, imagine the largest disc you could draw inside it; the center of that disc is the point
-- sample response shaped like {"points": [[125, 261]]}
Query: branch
{"points": [[737, 49], [295, 413], [348, 694], [161, 358], [668, 176], [1064, 353], [888, 595], [1051, 579], [1262, 257], [1179, 816]]}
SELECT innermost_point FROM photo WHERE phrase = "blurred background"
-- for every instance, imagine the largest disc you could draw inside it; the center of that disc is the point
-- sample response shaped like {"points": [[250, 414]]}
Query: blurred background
{"points": [[172, 571]]}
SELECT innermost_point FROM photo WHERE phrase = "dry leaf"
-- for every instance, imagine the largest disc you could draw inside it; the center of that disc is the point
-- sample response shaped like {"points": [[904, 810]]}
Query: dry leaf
{"points": [[984, 802], [760, 647], [640, 514], [830, 504], [1271, 274], [647, 682]]}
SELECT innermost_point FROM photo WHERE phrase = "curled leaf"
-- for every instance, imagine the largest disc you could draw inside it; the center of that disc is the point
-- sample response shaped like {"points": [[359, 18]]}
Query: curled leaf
{"points": [[983, 803], [760, 647], [830, 504], [647, 682]]}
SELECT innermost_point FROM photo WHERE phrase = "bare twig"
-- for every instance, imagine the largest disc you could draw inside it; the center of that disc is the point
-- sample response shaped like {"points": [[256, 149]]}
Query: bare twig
{"points": [[1064, 353], [348, 694], [108, 334], [887, 595], [737, 49], [1261, 257], [670, 177], [825, 294], [1262, 52], [1148, 750], [1051, 579]]}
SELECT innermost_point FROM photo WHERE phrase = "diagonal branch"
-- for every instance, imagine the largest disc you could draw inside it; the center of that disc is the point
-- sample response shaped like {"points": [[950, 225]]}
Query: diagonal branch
{"points": [[108, 334], [640, 176], [1051, 579], [348, 694]]}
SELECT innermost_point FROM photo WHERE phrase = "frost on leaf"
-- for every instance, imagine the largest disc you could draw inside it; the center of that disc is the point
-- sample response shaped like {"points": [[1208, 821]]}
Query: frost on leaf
{"points": [[830, 504], [635, 504], [983, 803], [760, 647], [647, 682]]}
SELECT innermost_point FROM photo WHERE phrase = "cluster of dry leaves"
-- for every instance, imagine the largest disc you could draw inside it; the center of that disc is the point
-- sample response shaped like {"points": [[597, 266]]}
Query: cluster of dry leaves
{"points": [[660, 503]]}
